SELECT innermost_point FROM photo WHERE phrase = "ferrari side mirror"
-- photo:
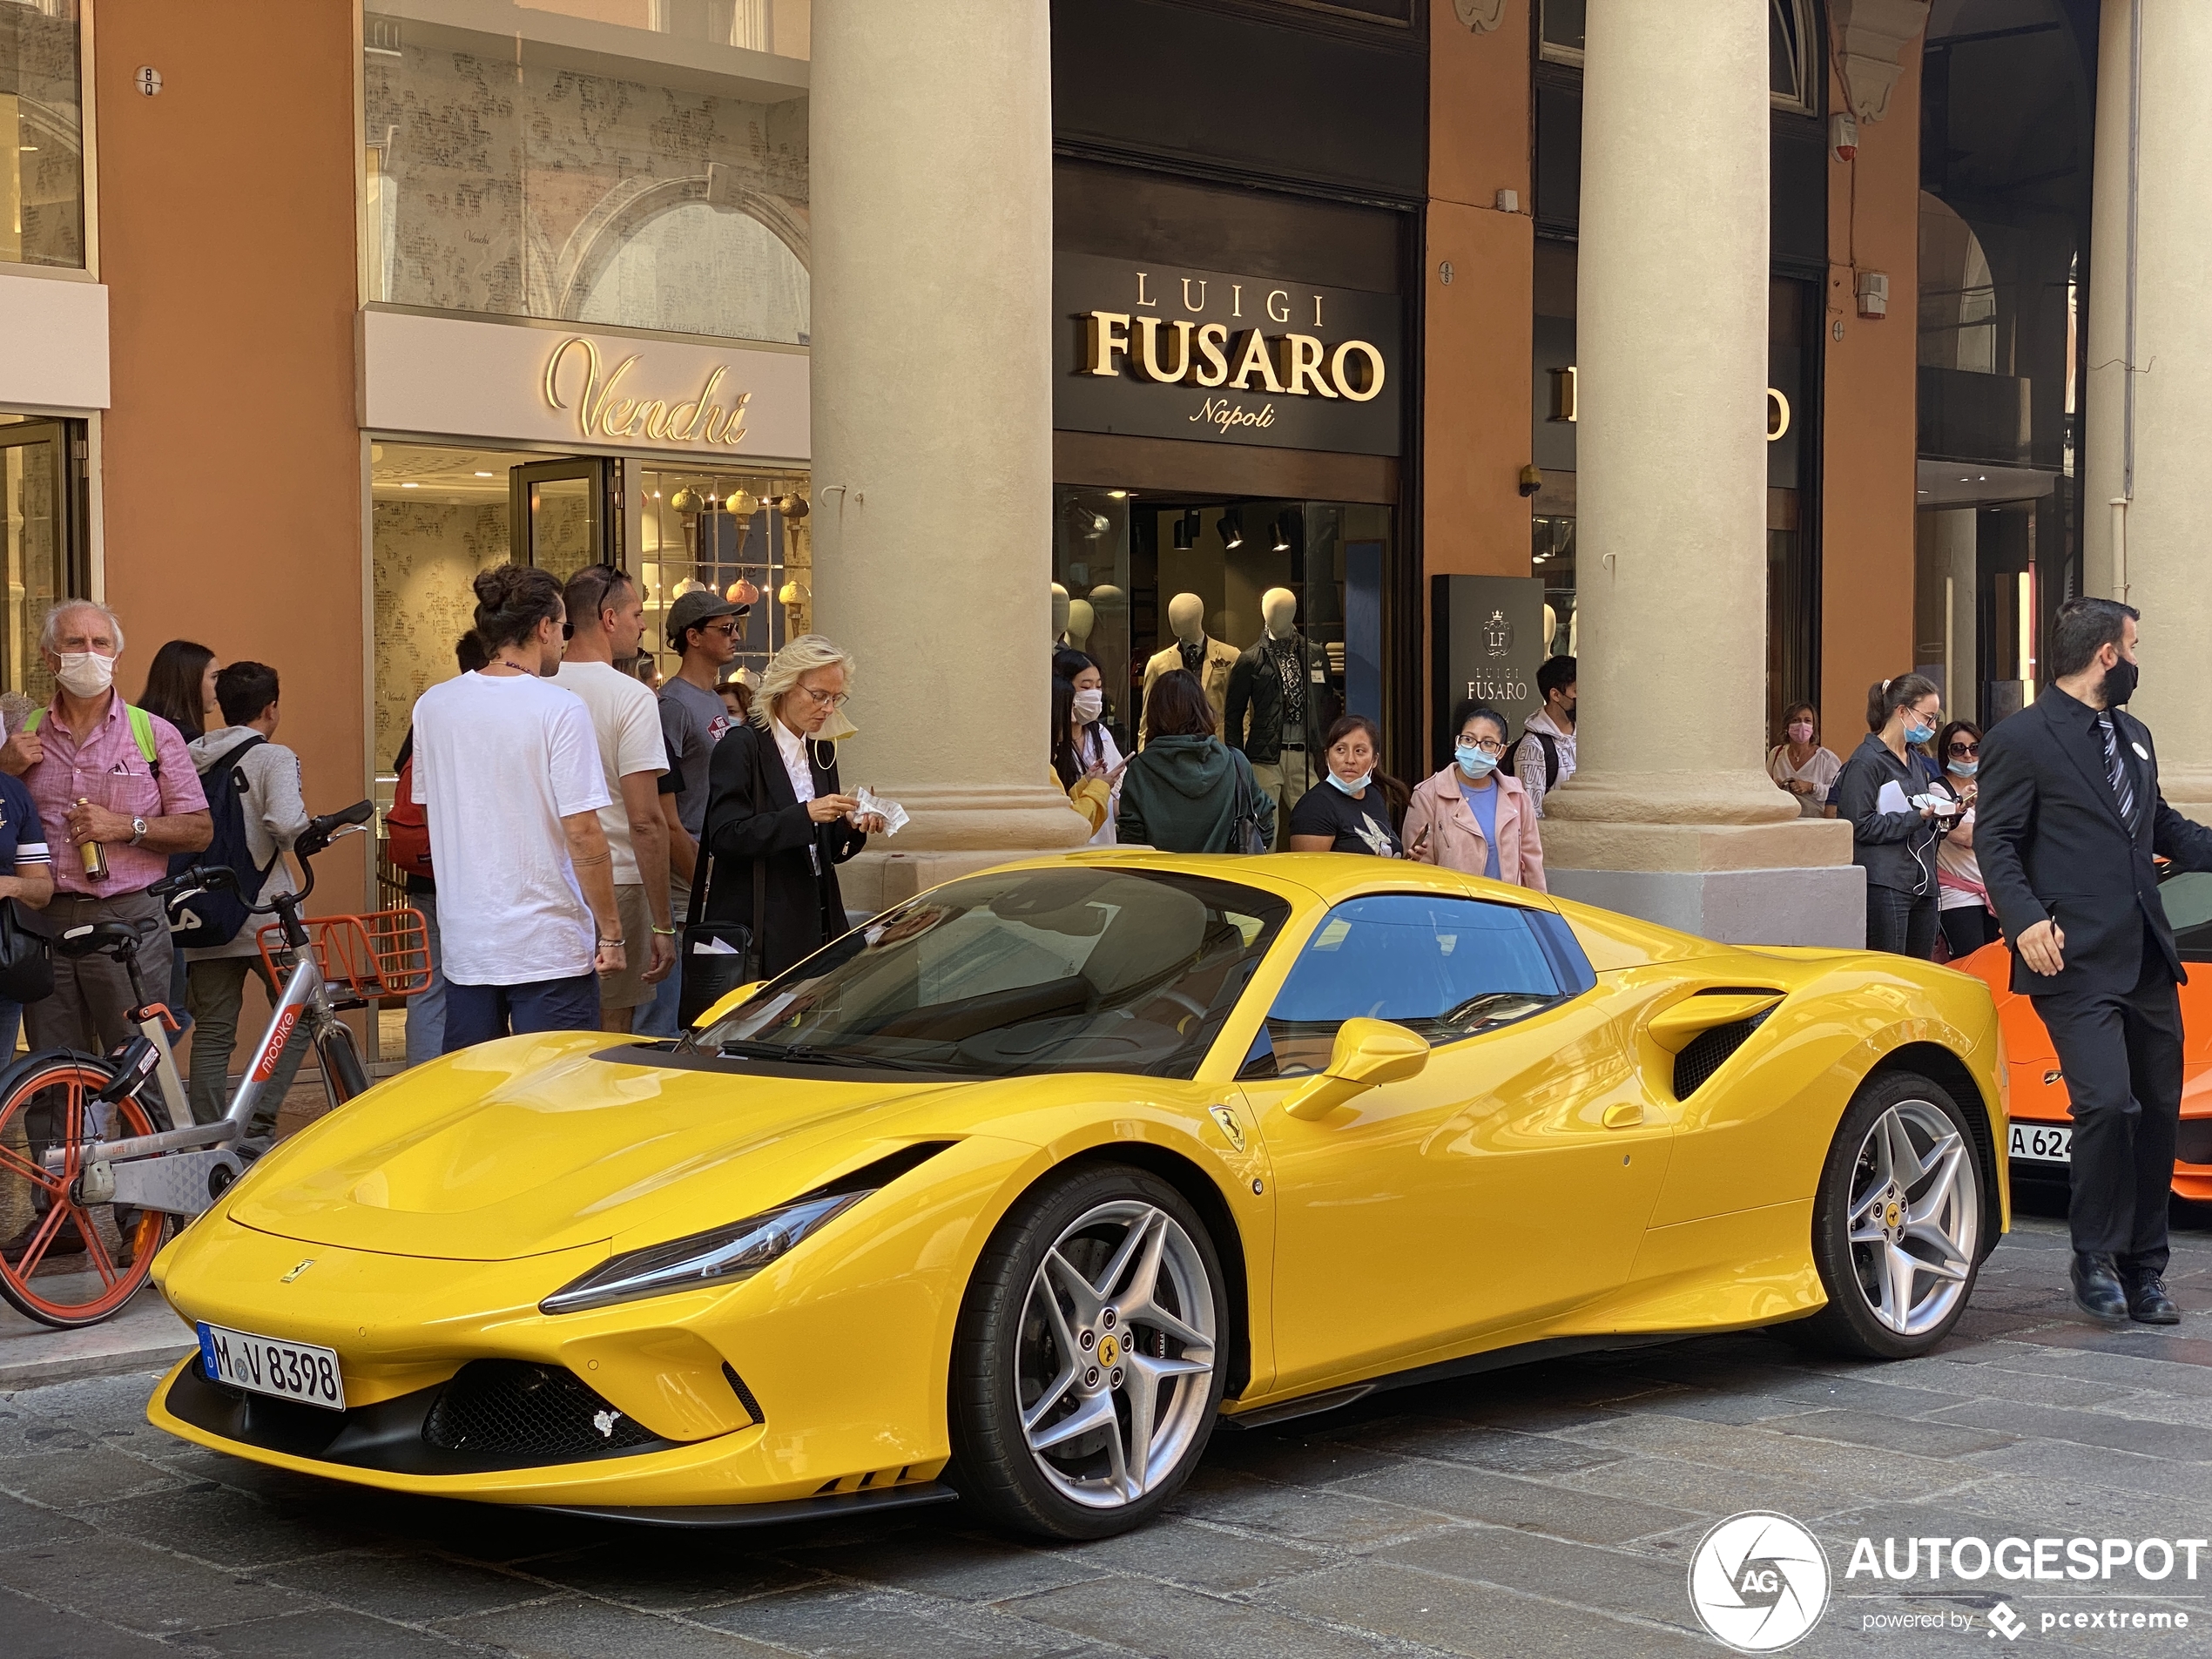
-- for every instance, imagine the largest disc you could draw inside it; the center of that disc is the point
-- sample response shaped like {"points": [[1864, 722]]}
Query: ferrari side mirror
{"points": [[727, 1002], [1367, 1053]]}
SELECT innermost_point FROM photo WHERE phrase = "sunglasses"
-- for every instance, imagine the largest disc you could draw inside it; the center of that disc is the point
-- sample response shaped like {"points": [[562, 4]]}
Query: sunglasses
{"points": [[1968, 749]]}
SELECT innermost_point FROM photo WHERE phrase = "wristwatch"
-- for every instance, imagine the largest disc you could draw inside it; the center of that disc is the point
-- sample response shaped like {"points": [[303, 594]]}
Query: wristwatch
{"points": [[137, 831]]}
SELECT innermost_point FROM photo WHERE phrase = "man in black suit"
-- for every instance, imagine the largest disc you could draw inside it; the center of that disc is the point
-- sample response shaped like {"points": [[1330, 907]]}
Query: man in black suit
{"points": [[2068, 819]]}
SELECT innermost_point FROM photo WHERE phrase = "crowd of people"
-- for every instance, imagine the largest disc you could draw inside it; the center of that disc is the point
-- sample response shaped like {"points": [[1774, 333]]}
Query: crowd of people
{"points": [[1190, 787]]}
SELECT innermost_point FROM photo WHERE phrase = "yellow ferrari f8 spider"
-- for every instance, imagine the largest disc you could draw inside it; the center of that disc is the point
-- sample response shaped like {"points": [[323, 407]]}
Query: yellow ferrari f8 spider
{"points": [[1014, 1192]]}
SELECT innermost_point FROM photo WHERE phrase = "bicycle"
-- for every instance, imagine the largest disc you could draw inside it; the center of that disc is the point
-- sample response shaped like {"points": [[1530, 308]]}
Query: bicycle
{"points": [[86, 1142]]}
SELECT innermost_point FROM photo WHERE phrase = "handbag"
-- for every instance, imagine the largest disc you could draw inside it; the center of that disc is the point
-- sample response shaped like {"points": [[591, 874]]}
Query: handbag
{"points": [[719, 957], [1245, 834], [26, 968]]}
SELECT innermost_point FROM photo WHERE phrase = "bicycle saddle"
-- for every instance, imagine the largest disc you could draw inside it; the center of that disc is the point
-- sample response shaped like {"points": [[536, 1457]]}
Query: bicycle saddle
{"points": [[99, 936]]}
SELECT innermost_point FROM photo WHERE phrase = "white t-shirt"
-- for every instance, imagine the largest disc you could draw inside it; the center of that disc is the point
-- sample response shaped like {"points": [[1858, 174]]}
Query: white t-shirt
{"points": [[626, 718], [499, 761]]}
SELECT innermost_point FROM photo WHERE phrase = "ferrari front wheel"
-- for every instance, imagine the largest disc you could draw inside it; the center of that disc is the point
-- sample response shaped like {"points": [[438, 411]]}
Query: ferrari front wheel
{"points": [[1897, 1222], [1086, 1368]]}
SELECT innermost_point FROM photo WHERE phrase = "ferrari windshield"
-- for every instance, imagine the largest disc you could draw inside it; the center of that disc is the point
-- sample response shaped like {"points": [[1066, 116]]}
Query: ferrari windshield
{"points": [[1077, 969]]}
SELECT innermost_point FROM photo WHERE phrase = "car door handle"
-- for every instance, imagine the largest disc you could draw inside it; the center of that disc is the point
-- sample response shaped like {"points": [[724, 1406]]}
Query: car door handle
{"points": [[1624, 1114]]}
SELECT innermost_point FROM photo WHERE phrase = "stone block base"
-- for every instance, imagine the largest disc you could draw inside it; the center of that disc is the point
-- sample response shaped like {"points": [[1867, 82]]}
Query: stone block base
{"points": [[1823, 904]]}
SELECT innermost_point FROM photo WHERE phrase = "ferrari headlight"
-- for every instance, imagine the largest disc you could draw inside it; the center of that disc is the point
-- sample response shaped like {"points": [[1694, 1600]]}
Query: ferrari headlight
{"points": [[726, 1255]]}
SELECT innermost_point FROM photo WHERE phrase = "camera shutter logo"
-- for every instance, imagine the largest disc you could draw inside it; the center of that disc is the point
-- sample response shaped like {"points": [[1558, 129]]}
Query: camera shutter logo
{"points": [[1758, 1581]]}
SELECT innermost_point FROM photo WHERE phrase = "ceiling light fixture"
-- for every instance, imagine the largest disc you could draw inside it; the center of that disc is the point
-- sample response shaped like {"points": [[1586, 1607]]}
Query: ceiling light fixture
{"points": [[410, 485], [1232, 527], [483, 474], [1186, 531], [1282, 544], [1117, 494]]}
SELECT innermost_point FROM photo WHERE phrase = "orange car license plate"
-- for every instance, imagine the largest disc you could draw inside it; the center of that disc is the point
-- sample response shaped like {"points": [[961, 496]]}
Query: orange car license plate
{"points": [[2042, 1143]]}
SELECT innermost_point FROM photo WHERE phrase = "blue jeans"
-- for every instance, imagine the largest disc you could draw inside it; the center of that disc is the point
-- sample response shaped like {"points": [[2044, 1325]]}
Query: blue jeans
{"points": [[425, 1009], [10, 1023], [658, 1018], [477, 1013]]}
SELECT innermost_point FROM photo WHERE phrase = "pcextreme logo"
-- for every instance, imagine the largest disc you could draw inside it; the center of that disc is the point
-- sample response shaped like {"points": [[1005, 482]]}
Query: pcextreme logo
{"points": [[1758, 1581]]}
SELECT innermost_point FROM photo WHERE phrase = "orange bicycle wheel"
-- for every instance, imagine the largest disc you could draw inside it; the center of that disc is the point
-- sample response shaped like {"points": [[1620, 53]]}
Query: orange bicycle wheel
{"points": [[64, 1263]]}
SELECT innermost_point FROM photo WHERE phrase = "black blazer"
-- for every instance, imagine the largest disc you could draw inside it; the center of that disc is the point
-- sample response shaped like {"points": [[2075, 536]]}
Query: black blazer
{"points": [[806, 910], [2052, 844], [1254, 685]]}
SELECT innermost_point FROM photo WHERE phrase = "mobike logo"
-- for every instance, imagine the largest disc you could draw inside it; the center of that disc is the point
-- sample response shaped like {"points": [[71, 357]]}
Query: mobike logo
{"points": [[272, 1051]]}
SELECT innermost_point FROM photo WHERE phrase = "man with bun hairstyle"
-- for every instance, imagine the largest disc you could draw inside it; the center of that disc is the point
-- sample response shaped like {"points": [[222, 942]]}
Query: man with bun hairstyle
{"points": [[507, 768]]}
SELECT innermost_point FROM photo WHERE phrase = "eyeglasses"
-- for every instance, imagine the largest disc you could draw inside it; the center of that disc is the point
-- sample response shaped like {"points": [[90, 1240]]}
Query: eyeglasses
{"points": [[1488, 746], [824, 700], [1962, 748]]}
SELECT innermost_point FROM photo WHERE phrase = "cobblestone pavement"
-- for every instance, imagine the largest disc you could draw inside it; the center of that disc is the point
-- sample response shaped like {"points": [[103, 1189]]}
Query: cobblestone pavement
{"points": [[1548, 1510]]}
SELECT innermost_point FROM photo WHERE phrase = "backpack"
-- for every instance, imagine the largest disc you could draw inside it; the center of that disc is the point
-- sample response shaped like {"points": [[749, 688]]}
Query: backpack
{"points": [[406, 826], [199, 920], [141, 731], [1551, 754]]}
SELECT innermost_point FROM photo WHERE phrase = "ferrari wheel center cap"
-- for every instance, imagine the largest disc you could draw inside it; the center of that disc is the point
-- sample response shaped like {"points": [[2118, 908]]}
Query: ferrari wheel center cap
{"points": [[1110, 1350]]}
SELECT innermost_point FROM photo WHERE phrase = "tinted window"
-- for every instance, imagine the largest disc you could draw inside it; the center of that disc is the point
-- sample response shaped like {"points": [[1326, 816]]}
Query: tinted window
{"points": [[1445, 967], [1073, 969], [2189, 908]]}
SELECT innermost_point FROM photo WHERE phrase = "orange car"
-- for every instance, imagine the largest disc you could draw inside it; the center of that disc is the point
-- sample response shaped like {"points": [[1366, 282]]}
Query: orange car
{"points": [[2042, 1129]]}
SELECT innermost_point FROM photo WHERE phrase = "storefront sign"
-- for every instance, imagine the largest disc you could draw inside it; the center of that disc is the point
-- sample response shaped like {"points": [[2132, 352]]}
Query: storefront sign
{"points": [[1169, 352], [1489, 641], [53, 346], [449, 377]]}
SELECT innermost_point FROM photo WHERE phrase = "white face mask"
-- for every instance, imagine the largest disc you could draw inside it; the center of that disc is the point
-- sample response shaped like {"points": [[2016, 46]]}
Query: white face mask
{"points": [[85, 673], [1090, 706]]}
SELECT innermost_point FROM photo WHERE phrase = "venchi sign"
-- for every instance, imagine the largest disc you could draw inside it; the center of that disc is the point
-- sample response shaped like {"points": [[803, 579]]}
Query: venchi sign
{"points": [[1170, 352]]}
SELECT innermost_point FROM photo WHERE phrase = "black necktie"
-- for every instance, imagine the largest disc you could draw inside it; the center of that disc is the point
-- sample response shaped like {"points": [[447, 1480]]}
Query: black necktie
{"points": [[2123, 787]]}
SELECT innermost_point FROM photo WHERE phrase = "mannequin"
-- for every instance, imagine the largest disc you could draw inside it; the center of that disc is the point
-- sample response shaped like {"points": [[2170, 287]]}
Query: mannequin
{"points": [[1551, 631], [1209, 660], [1280, 702], [1080, 620], [1060, 602]]}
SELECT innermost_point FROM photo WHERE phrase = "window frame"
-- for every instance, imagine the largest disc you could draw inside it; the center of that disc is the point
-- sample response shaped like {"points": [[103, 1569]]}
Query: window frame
{"points": [[1808, 35]]}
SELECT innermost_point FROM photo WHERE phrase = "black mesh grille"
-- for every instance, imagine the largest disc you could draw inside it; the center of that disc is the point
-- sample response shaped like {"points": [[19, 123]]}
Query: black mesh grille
{"points": [[507, 1408], [2193, 1143], [744, 1394], [1702, 1056]]}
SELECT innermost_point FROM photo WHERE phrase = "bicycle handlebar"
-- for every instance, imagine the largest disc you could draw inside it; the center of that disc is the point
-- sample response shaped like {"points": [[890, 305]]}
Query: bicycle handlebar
{"points": [[316, 838]]}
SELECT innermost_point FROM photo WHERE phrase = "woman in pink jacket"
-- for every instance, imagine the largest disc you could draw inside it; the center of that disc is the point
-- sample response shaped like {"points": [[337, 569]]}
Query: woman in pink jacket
{"points": [[1472, 816]]}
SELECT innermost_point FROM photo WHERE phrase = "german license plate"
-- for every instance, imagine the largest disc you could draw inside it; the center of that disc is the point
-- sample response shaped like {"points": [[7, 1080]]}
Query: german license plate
{"points": [[271, 1366], [2042, 1142]]}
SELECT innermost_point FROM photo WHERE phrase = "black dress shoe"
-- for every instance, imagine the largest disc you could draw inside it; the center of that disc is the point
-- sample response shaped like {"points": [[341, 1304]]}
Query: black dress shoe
{"points": [[2147, 1302], [66, 1241], [2097, 1289]]}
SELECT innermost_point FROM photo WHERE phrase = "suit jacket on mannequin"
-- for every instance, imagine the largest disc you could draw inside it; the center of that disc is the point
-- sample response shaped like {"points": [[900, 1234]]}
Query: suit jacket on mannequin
{"points": [[1213, 672], [1256, 688]]}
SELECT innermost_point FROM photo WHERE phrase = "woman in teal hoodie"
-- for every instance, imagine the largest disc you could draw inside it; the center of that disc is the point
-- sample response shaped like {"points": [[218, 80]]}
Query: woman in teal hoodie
{"points": [[1180, 792]]}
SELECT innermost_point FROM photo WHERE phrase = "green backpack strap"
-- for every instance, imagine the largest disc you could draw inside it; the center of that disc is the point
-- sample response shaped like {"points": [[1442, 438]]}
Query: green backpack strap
{"points": [[141, 729]]}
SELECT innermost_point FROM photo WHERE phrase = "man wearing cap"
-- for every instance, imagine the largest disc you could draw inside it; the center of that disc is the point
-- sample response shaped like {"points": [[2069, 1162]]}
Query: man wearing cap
{"points": [[705, 628]]}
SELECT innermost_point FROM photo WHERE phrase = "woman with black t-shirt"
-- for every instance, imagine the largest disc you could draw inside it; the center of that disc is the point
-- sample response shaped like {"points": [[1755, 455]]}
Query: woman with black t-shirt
{"points": [[1361, 808]]}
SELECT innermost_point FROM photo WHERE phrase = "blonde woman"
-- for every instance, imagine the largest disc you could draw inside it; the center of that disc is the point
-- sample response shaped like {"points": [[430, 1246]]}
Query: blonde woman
{"points": [[774, 801]]}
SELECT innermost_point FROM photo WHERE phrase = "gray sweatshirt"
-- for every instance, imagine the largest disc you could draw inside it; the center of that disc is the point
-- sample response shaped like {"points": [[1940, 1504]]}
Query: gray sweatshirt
{"points": [[275, 813]]}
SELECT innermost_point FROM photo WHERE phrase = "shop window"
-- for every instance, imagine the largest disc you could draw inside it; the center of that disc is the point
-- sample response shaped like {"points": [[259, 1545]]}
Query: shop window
{"points": [[657, 178], [1793, 47], [42, 145], [1137, 572], [439, 515]]}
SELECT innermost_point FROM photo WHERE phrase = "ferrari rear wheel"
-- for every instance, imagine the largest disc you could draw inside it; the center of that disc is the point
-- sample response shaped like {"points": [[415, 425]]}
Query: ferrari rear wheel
{"points": [[1086, 1370], [1897, 1222]]}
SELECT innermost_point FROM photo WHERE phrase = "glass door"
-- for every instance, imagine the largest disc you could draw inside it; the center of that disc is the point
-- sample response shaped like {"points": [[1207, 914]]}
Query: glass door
{"points": [[38, 539], [564, 514]]}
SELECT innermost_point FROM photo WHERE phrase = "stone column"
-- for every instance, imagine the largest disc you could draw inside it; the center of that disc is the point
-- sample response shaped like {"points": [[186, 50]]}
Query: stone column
{"points": [[2163, 573], [932, 279], [1671, 814]]}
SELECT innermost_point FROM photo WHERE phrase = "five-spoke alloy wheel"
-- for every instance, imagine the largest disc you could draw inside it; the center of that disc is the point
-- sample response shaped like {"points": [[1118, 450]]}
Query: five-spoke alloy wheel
{"points": [[1087, 1369], [1898, 1222]]}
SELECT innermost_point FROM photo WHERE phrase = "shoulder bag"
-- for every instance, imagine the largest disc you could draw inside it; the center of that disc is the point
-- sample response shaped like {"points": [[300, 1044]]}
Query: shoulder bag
{"points": [[719, 956], [26, 969], [1245, 832]]}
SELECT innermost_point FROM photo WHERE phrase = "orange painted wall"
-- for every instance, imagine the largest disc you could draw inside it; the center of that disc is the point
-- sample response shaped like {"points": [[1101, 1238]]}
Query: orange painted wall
{"points": [[1870, 433], [230, 471], [1474, 521]]}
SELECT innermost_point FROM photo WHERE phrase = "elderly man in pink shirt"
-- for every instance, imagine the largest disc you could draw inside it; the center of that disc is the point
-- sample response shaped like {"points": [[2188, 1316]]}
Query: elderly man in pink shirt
{"points": [[140, 809]]}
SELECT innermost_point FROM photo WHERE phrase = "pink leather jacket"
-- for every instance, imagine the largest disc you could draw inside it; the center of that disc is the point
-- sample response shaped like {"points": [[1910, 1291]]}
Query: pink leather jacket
{"points": [[1441, 829]]}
